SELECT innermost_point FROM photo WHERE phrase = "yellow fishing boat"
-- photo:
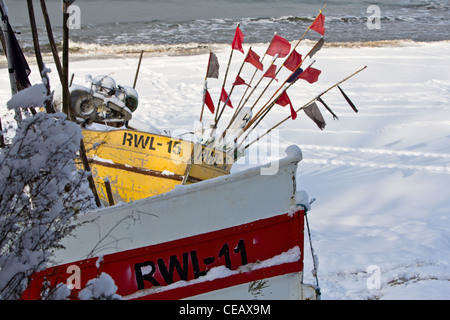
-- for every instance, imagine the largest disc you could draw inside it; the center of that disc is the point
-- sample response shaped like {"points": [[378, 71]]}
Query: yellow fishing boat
{"points": [[131, 157], [139, 165]]}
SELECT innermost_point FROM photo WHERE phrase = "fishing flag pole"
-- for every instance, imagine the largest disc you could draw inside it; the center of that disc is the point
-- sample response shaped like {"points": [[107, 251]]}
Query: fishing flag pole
{"points": [[266, 108], [311, 26], [252, 58], [48, 105], [277, 47], [65, 65], [205, 87], [235, 45], [316, 25], [249, 84], [267, 105], [304, 106], [257, 84], [319, 28], [275, 101], [51, 39], [274, 40], [137, 70], [212, 71]]}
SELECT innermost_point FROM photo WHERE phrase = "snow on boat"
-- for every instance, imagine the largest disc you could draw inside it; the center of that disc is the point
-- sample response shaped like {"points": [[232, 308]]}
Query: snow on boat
{"points": [[214, 239]]}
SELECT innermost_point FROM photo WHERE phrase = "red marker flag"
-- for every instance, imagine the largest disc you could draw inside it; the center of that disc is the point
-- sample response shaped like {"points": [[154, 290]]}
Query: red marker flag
{"points": [[209, 102], [318, 24], [310, 74], [224, 98], [239, 81], [253, 58], [279, 46], [238, 40], [293, 60], [270, 73], [283, 101]]}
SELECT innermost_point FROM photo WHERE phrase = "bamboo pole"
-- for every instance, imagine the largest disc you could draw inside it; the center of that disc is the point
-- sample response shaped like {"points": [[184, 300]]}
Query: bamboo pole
{"points": [[224, 80], [231, 91], [205, 86], [240, 107], [274, 101], [266, 106], [282, 65], [187, 172], [304, 106], [264, 114], [250, 82], [223, 85], [264, 110]]}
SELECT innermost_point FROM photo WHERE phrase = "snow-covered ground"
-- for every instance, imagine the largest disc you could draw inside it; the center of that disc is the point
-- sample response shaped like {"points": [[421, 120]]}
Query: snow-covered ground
{"points": [[381, 222]]}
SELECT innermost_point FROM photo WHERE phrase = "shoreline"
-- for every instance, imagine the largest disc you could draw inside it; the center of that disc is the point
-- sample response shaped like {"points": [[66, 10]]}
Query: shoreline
{"points": [[92, 51]]}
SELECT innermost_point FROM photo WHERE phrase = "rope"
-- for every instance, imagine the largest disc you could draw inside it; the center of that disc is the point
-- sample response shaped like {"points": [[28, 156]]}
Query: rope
{"points": [[311, 247]]}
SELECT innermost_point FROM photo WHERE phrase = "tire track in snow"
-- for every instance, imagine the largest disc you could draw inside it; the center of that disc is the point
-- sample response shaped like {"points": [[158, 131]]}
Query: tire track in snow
{"points": [[357, 157], [376, 151]]}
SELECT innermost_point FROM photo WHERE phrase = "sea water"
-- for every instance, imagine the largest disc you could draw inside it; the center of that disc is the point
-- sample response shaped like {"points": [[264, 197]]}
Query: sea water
{"points": [[203, 22]]}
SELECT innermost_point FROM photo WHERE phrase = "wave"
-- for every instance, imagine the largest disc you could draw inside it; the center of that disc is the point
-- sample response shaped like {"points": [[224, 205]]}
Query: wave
{"points": [[82, 48], [201, 48]]}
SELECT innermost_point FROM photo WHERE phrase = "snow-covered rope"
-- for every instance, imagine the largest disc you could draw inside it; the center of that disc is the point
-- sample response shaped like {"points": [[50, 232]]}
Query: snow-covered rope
{"points": [[314, 260]]}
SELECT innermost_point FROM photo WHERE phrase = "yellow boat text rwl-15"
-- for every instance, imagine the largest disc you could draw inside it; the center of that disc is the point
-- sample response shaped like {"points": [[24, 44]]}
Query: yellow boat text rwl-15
{"points": [[140, 165]]}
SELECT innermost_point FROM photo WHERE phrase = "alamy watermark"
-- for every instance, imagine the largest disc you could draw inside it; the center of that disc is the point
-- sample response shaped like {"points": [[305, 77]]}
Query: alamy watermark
{"points": [[74, 280], [74, 19], [374, 20]]}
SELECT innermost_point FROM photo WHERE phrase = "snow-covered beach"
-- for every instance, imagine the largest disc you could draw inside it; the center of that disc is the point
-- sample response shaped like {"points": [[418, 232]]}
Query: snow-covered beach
{"points": [[380, 225]]}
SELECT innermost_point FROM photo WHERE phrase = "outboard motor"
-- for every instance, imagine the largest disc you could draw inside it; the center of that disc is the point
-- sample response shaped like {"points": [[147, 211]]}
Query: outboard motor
{"points": [[104, 101]]}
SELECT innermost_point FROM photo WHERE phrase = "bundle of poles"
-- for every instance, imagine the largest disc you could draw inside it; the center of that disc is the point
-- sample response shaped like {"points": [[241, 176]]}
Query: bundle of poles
{"points": [[278, 48]]}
